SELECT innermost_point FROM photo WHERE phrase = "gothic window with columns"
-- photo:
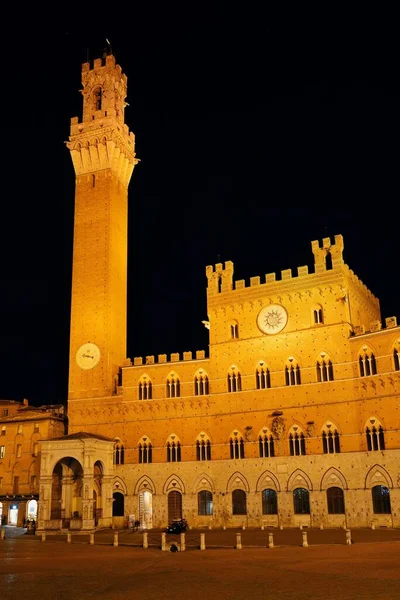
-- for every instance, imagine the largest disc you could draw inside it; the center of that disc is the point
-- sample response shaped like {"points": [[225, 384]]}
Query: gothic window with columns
{"points": [[292, 372], [236, 445], [263, 377], [266, 444], [318, 315], [297, 442], [201, 384], [119, 452], [145, 451], [234, 380], [330, 439], [324, 368], [203, 447], [367, 362], [173, 386], [174, 453], [234, 330], [375, 435], [145, 388]]}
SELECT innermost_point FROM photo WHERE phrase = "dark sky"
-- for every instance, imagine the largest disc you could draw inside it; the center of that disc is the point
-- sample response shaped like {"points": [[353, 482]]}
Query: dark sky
{"points": [[257, 133]]}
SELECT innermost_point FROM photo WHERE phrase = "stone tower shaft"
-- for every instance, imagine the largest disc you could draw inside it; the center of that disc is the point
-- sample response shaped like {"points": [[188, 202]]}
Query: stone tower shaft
{"points": [[103, 154]]}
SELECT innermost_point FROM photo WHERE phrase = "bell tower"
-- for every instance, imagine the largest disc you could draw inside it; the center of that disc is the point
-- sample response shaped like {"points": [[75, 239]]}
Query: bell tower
{"points": [[103, 154]]}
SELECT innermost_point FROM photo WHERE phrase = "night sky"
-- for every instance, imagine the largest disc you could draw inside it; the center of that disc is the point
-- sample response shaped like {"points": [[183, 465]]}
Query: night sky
{"points": [[256, 135]]}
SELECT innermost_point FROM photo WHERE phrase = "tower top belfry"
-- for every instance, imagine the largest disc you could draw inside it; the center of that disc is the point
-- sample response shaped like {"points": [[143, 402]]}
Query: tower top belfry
{"points": [[102, 140]]}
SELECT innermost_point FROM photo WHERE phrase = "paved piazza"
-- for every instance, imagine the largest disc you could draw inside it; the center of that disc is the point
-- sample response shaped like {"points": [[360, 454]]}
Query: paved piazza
{"points": [[326, 569]]}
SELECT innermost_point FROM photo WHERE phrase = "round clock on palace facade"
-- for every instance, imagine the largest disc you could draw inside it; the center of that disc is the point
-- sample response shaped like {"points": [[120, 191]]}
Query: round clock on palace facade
{"points": [[88, 356], [272, 319]]}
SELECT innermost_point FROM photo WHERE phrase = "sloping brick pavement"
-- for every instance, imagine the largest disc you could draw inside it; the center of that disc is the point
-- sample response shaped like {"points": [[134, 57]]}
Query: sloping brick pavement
{"points": [[331, 570]]}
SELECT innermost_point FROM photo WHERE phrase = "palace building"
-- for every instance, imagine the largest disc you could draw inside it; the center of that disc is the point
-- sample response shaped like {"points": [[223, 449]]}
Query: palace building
{"points": [[292, 418]]}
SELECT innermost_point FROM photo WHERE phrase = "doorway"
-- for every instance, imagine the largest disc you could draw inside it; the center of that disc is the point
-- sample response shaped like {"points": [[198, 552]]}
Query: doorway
{"points": [[174, 506], [31, 510], [13, 515], [146, 509]]}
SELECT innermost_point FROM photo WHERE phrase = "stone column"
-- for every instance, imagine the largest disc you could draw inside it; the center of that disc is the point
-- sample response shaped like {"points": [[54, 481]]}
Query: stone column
{"points": [[106, 501], [44, 503], [87, 503], [67, 482]]}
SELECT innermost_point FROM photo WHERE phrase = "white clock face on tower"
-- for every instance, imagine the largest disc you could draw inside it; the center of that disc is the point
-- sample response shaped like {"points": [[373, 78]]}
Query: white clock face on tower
{"points": [[272, 319], [88, 356]]}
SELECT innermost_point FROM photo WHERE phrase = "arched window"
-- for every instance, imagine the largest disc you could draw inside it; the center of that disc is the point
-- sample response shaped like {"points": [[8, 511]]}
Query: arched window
{"points": [[234, 330], [263, 378], [236, 445], [324, 368], [375, 435], [381, 500], [297, 442], [119, 453], [396, 357], [292, 372], [266, 444], [145, 388], [367, 363], [234, 380], [330, 440], [269, 502], [335, 499], [173, 449], [328, 261], [173, 386], [201, 387], [239, 502], [145, 451], [97, 96], [203, 447], [318, 315], [301, 501], [204, 503]]}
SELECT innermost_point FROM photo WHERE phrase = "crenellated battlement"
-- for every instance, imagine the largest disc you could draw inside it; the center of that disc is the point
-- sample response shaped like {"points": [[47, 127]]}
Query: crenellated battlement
{"points": [[163, 358], [328, 251], [357, 283], [104, 89], [220, 278], [327, 256], [103, 63]]}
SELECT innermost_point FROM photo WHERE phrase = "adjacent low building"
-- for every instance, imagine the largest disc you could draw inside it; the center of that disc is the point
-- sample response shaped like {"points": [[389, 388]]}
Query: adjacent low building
{"points": [[22, 427]]}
